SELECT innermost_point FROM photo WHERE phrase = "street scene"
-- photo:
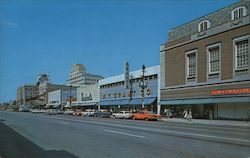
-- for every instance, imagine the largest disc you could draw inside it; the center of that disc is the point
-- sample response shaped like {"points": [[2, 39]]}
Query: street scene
{"points": [[71, 136], [119, 79]]}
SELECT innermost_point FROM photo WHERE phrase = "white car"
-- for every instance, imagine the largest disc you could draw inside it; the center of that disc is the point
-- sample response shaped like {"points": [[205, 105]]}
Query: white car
{"points": [[51, 112], [69, 112], [122, 115], [88, 112]]}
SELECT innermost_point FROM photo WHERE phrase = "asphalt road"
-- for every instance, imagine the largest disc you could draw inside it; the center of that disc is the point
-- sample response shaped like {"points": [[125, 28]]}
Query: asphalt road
{"points": [[38, 135]]}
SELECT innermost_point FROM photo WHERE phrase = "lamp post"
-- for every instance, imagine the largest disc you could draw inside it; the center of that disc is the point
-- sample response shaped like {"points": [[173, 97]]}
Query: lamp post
{"points": [[70, 87], [142, 85]]}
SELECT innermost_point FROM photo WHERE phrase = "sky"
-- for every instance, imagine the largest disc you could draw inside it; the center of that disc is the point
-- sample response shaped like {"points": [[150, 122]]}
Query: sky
{"points": [[49, 36]]}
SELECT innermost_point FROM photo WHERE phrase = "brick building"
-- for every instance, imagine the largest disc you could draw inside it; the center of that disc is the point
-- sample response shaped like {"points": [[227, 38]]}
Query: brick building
{"points": [[205, 65]]}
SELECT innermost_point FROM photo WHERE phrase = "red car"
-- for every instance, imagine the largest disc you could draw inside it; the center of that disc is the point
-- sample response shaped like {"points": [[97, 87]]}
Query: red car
{"points": [[145, 115]]}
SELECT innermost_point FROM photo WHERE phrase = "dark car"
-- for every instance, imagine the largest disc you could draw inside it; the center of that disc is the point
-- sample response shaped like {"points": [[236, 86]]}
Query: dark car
{"points": [[102, 114]]}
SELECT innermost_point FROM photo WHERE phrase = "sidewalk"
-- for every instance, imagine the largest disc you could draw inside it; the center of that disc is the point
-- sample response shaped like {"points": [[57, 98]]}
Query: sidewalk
{"points": [[209, 122]]}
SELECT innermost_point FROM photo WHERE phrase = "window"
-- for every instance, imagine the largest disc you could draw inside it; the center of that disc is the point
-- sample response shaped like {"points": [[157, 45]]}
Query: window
{"points": [[191, 64], [204, 25], [213, 59], [238, 12], [241, 53]]}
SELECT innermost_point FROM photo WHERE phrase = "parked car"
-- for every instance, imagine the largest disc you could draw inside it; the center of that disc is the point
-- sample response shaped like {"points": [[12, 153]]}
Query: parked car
{"points": [[122, 115], [69, 112], [145, 115], [77, 113], [51, 112], [24, 108], [102, 113], [88, 112]]}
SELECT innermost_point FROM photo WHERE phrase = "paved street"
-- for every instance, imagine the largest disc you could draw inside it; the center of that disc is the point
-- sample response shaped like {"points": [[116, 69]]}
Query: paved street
{"points": [[69, 136]]}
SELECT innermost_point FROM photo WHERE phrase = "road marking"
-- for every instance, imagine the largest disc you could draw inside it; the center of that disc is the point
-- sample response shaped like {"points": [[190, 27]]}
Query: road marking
{"points": [[127, 134]]}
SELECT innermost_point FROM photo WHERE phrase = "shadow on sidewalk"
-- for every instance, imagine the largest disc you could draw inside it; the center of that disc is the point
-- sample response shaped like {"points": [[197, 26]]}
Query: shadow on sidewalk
{"points": [[14, 145]]}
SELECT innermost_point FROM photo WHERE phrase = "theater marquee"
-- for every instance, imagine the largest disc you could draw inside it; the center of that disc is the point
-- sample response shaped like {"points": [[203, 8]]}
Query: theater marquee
{"points": [[231, 91]]}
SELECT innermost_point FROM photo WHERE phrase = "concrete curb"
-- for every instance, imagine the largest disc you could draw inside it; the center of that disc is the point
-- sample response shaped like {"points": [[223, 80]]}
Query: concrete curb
{"points": [[244, 125]]}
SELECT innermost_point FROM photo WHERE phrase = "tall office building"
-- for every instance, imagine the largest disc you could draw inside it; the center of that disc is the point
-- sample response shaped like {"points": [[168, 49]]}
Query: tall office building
{"points": [[79, 76]]}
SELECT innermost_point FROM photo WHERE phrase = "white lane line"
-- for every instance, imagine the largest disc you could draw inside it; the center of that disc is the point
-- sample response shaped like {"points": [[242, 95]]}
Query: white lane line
{"points": [[127, 134]]}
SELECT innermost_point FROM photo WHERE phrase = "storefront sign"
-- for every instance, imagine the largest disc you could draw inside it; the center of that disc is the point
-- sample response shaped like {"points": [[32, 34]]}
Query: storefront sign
{"points": [[231, 91]]}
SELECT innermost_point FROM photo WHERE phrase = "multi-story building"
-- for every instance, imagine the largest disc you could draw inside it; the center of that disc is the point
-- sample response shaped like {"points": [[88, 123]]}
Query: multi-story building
{"points": [[87, 97], [59, 98], [44, 87], [79, 76], [24, 93], [205, 65], [115, 95]]}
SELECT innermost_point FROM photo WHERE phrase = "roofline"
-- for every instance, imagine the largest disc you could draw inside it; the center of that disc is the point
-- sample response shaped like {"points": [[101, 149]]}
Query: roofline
{"points": [[204, 16]]}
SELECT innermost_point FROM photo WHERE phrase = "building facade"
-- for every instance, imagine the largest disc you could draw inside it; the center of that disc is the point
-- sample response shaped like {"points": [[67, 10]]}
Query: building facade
{"points": [[116, 96], [79, 76], [205, 65], [24, 93], [59, 98], [88, 97], [44, 87]]}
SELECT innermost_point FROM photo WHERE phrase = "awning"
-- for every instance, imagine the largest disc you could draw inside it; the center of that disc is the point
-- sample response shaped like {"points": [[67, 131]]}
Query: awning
{"points": [[120, 102], [105, 102], [206, 101], [84, 104], [138, 101], [241, 99]]}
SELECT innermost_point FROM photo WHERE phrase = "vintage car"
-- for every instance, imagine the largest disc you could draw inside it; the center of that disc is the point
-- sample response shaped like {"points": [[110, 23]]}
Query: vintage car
{"points": [[88, 112], [77, 113], [102, 113], [122, 115], [145, 115], [69, 112]]}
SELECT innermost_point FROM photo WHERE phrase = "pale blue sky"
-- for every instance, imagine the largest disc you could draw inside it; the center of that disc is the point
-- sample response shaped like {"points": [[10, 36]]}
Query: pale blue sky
{"points": [[48, 36]]}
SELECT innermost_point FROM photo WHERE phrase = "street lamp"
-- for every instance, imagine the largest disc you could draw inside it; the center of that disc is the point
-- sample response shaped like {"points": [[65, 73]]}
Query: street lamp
{"points": [[70, 87], [142, 85]]}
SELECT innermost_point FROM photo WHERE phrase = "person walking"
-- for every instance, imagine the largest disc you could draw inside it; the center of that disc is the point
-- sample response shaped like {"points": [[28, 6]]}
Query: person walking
{"points": [[185, 114], [189, 117], [210, 115]]}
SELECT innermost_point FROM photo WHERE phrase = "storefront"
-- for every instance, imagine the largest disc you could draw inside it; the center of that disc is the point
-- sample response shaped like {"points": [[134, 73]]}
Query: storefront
{"points": [[221, 104], [88, 97], [115, 96]]}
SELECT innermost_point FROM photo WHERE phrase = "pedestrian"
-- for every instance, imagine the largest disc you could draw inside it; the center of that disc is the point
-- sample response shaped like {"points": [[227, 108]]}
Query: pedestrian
{"points": [[210, 115], [189, 117], [185, 114], [165, 112]]}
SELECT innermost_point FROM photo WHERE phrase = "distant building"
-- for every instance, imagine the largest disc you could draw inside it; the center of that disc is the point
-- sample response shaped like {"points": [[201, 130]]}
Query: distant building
{"points": [[44, 87], [87, 97], [59, 98], [24, 93], [205, 65], [116, 96], [79, 76]]}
